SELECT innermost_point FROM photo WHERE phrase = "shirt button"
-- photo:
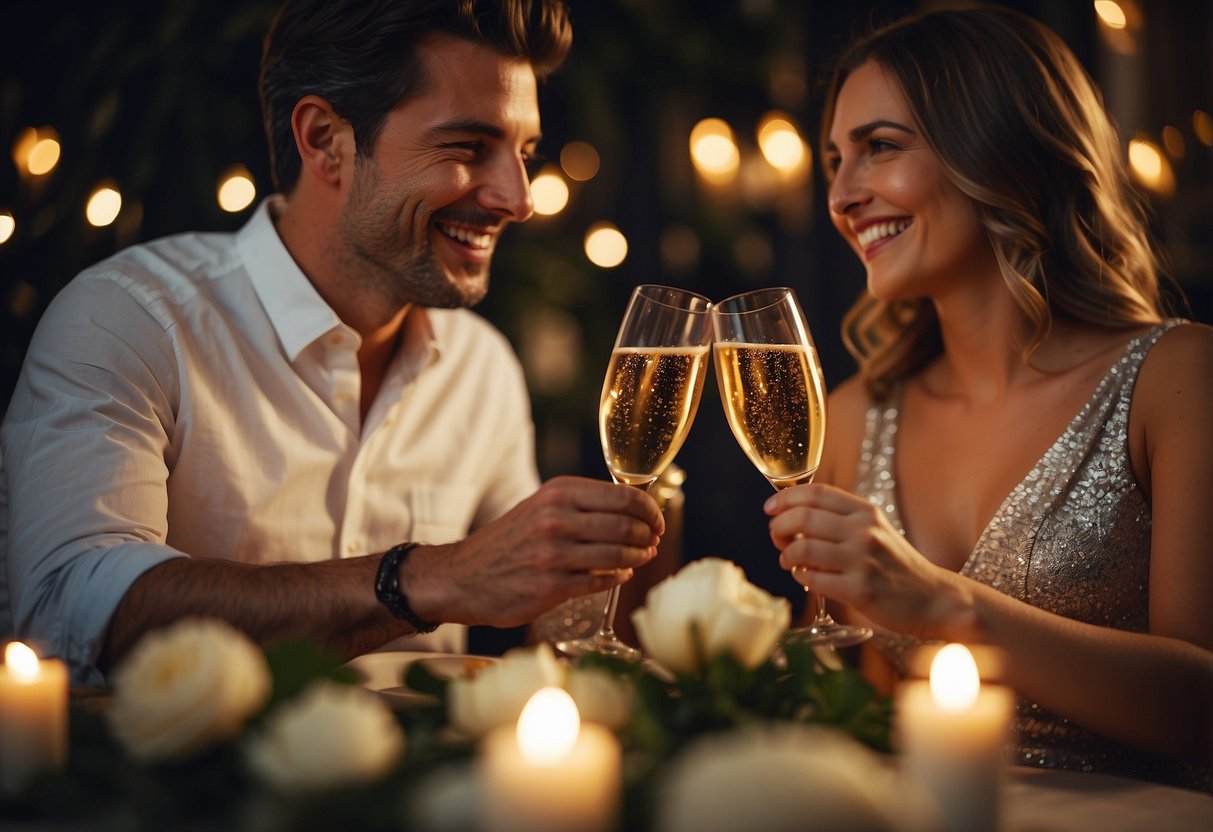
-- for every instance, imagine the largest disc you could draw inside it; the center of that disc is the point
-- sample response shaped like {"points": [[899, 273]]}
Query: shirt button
{"points": [[352, 547]]}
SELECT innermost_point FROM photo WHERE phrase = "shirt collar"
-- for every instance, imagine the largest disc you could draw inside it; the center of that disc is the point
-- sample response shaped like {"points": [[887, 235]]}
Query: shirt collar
{"points": [[298, 314]]}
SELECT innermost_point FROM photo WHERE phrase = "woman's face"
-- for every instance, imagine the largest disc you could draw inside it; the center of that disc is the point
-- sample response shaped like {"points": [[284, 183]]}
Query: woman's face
{"points": [[889, 197]]}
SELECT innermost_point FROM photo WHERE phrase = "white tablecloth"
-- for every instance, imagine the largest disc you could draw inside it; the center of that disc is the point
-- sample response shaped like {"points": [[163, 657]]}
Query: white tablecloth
{"points": [[1038, 800]]}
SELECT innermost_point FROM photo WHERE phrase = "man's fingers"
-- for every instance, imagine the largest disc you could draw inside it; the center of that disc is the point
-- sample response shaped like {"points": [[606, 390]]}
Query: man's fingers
{"points": [[591, 496]]}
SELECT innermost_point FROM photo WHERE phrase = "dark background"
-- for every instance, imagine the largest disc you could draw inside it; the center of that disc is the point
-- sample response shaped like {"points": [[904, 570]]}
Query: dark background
{"points": [[161, 98]]}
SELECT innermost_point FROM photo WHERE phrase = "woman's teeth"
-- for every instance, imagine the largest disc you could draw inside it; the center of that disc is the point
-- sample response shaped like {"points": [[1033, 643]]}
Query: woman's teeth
{"points": [[881, 230]]}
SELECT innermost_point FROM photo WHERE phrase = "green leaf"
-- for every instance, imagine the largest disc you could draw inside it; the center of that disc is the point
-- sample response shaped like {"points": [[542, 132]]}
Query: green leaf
{"points": [[296, 663], [420, 678]]}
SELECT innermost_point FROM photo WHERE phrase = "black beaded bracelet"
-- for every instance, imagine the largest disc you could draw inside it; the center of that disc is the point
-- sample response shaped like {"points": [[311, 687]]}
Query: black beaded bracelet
{"points": [[387, 588]]}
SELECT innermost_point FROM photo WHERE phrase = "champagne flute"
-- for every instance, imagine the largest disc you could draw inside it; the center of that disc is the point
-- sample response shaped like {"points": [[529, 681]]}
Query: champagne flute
{"points": [[649, 398], [773, 393]]}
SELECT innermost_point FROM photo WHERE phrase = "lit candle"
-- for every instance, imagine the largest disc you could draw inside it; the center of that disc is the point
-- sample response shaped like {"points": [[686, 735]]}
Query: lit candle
{"points": [[952, 730], [33, 716], [550, 773]]}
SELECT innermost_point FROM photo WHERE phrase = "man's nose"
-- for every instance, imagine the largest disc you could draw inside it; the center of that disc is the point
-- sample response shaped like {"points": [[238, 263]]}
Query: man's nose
{"points": [[507, 192]]}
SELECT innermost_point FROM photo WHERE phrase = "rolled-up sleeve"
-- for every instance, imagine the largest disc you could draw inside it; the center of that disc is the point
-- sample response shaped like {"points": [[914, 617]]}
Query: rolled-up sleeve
{"points": [[86, 446]]}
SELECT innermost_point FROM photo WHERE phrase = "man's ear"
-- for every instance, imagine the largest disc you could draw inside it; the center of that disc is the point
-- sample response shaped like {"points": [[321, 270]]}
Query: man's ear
{"points": [[322, 137]]}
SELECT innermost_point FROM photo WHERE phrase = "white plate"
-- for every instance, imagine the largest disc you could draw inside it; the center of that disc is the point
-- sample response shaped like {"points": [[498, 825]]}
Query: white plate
{"points": [[384, 672]]}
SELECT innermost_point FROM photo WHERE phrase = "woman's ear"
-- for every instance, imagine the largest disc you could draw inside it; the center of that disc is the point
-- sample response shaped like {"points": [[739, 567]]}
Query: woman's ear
{"points": [[322, 137]]}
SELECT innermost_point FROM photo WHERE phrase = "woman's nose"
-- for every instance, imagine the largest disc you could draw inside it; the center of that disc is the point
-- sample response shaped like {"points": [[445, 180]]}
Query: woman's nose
{"points": [[847, 191]]}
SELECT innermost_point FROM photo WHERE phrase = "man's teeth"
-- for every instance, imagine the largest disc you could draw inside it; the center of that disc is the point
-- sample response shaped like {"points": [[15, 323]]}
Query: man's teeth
{"points": [[468, 238], [881, 230]]}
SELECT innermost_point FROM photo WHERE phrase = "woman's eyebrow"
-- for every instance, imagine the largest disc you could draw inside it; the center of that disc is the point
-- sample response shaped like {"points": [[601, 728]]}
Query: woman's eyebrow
{"points": [[861, 132]]}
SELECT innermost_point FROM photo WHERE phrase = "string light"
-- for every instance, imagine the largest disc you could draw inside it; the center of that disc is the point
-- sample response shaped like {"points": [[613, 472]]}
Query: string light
{"points": [[549, 191], [1173, 141], [1202, 126], [714, 152], [580, 161], [780, 143], [236, 189], [1111, 14], [605, 245], [103, 205], [1150, 167], [36, 151]]}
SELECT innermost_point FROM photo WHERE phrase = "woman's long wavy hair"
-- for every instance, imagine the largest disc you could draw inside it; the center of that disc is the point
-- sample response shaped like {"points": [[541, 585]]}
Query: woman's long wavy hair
{"points": [[1018, 126]]}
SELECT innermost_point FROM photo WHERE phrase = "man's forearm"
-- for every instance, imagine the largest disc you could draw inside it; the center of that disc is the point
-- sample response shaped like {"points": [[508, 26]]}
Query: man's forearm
{"points": [[332, 602]]}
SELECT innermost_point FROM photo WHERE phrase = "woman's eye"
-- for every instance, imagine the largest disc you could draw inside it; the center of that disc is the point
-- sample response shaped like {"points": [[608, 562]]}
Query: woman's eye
{"points": [[880, 145]]}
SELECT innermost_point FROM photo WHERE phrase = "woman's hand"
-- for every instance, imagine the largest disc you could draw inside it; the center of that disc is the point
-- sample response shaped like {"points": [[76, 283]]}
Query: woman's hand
{"points": [[855, 556]]}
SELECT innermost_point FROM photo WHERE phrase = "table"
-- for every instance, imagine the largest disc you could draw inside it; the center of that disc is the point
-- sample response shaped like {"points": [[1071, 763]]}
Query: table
{"points": [[1042, 800]]}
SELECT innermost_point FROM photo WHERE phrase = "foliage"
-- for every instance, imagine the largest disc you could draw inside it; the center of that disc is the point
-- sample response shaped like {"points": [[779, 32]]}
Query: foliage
{"points": [[106, 789]]}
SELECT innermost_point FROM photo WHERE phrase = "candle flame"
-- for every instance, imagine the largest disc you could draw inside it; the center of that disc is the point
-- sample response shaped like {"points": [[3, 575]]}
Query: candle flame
{"points": [[548, 727], [954, 680], [21, 661]]}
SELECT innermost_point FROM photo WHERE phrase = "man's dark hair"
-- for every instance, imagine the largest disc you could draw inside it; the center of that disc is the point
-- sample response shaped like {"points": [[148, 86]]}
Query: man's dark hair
{"points": [[361, 57]]}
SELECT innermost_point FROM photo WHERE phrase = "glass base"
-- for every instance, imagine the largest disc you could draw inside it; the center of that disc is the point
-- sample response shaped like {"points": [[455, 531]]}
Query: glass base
{"points": [[833, 635], [598, 644]]}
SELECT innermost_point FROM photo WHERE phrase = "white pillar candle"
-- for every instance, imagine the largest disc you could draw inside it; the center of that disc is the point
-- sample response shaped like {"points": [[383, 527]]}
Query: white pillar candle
{"points": [[550, 773], [33, 716], [952, 731]]}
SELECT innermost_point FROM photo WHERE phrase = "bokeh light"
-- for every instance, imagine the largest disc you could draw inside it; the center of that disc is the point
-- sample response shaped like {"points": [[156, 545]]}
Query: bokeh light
{"points": [[36, 151], [549, 191], [236, 189], [679, 246], [580, 161], [1202, 126], [1173, 141], [1151, 167], [1110, 14], [7, 226], [103, 205], [781, 143], [605, 245], [714, 152]]}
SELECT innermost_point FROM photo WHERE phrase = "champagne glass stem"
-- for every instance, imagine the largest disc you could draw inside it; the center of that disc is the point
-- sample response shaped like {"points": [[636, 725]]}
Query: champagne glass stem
{"points": [[607, 630], [823, 629]]}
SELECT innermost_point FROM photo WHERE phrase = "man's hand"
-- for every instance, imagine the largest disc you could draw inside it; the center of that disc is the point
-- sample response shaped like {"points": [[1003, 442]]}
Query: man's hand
{"points": [[574, 536]]}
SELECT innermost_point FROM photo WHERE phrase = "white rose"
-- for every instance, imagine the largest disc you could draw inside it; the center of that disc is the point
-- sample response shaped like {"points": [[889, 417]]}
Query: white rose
{"points": [[330, 735], [732, 615], [600, 697], [186, 687], [496, 695], [792, 776]]}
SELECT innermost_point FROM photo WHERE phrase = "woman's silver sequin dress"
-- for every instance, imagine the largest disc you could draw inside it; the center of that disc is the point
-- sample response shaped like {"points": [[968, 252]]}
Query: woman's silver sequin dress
{"points": [[1072, 538]]}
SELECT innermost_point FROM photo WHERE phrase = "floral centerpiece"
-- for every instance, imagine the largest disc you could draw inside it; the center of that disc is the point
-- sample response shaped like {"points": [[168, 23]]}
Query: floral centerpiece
{"points": [[204, 728]]}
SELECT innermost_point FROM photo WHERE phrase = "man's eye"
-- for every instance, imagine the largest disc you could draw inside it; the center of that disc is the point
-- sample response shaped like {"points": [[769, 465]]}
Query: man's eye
{"points": [[533, 162]]}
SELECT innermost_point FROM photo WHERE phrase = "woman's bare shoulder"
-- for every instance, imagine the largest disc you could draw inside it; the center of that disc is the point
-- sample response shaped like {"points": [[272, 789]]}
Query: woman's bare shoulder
{"points": [[1175, 384], [1183, 356]]}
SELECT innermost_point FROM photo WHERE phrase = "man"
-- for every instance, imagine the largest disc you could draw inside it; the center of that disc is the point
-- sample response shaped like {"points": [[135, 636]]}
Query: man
{"points": [[226, 425]]}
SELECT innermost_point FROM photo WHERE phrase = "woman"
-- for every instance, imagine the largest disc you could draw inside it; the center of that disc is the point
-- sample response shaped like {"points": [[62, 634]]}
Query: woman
{"points": [[1025, 458]]}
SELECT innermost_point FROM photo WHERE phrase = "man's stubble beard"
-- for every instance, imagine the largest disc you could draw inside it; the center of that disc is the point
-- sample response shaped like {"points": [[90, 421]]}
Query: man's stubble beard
{"points": [[383, 264]]}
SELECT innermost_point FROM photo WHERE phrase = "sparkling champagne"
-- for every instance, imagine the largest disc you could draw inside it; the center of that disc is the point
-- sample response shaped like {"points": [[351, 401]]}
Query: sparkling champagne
{"points": [[649, 399], [775, 404]]}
